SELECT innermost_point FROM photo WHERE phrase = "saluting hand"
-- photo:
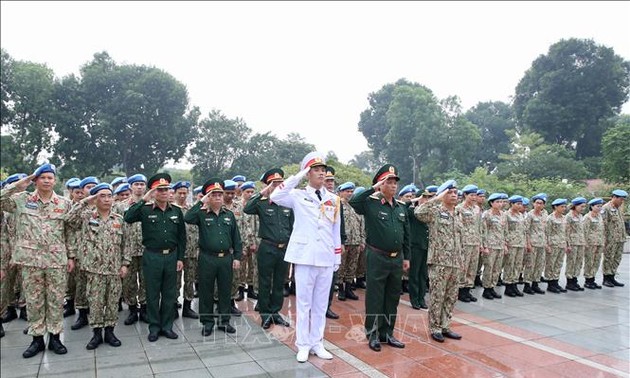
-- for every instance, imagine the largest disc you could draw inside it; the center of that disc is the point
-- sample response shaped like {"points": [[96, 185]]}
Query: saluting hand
{"points": [[23, 183], [148, 195], [89, 200]]}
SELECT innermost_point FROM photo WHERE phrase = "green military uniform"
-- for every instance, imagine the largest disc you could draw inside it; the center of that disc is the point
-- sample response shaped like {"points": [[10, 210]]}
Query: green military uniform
{"points": [[275, 227], [418, 269], [387, 244], [219, 245], [164, 239]]}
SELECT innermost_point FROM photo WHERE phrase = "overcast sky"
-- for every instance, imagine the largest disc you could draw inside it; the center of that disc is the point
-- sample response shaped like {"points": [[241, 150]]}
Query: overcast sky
{"points": [[309, 67]]}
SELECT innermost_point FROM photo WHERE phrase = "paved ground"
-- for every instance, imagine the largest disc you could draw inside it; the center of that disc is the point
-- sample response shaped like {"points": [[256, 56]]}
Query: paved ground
{"points": [[553, 335]]}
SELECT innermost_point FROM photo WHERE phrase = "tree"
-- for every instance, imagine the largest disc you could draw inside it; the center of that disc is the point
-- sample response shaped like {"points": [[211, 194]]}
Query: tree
{"points": [[137, 117], [616, 151], [565, 94], [6, 73], [493, 119], [366, 162], [11, 156]]}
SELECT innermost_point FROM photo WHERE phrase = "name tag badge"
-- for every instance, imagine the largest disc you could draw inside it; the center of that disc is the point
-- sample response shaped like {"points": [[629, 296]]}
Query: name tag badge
{"points": [[444, 215], [152, 216], [93, 222], [174, 217], [31, 205]]}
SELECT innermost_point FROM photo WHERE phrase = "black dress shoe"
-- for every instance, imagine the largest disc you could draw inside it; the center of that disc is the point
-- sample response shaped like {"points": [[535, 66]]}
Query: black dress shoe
{"points": [[437, 336], [207, 329], [266, 323], [227, 328], [331, 315], [415, 306], [451, 335], [277, 319], [392, 341], [375, 345], [169, 334], [153, 336]]}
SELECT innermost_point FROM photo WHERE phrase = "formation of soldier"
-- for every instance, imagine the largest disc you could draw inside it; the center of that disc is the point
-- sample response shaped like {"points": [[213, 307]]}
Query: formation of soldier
{"points": [[141, 242]]}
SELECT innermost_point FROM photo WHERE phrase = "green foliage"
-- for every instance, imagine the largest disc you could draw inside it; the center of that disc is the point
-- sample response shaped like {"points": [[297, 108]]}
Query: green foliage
{"points": [[493, 120], [566, 93], [616, 150]]}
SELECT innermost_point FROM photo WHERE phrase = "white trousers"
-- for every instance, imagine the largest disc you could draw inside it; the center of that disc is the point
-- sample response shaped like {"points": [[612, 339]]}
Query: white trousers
{"points": [[312, 285]]}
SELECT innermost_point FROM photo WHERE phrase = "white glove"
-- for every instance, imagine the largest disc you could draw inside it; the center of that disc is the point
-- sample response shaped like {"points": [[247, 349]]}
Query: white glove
{"points": [[335, 268]]}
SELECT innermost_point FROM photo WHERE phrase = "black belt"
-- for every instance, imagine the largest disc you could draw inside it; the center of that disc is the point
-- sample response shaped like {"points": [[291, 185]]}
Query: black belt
{"points": [[390, 254], [277, 245], [221, 253], [165, 251]]}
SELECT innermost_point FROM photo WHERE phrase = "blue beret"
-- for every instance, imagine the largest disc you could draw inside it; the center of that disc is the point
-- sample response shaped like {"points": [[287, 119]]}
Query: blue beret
{"points": [[119, 180], [559, 201], [481, 192], [460, 193], [181, 184], [2, 183], [596, 201], [137, 178], [197, 190], [358, 190], [539, 197], [411, 188], [74, 184], [470, 189], [431, 189], [229, 185], [248, 185], [122, 188], [494, 196], [578, 201], [620, 193], [45, 168], [88, 180], [504, 196], [99, 187], [525, 201], [346, 186], [238, 178], [70, 181], [15, 177], [450, 184], [515, 198]]}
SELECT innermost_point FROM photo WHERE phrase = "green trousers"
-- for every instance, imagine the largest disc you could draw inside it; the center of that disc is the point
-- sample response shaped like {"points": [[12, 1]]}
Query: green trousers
{"points": [[418, 273], [214, 269], [272, 270], [384, 283], [160, 277]]}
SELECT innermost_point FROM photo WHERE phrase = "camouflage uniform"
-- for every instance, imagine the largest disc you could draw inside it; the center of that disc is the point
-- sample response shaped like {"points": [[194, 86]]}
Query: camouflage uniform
{"points": [[5, 260], [133, 288], [575, 237], [516, 246], [12, 283], [248, 226], [594, 238], [40, 248], [556, 233], [444, 261], [534, 262], [355, 236], [190, 261], [101, 254], [237, 276], [77, 242], [615, 237], [471, 241], [493, 237]]}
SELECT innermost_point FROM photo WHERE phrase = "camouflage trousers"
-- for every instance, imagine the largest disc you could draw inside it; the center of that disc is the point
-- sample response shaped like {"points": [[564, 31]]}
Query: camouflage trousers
{"points": [[492, 263], [11, 288], [469, 267], [533, 264], [190, 276], [553, 264], [575, 260], [361, 264], [80, 294], [103, 293], [513, 264], [44, 291], [444, 287], [237, 280], [612, 257], [592, 259], [348, 267], [251, 269], [134, 291]]}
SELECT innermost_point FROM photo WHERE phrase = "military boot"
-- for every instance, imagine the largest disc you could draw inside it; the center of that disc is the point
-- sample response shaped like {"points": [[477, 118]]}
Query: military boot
{"points": [[552, 286], [110, 338], [342, 292], [516, 290], [143, 313], [537, 289], [120, 308], [590, 283], [462, 296], [361, 283], [9, 314], [133, 315], [251, 293], [68, 308], [175, 312], [241, 294], [405, 286], [54, 344], [509, 290], [487, 293], [37, 345], [188, 312], [607, 281], [96, 340], [528, 289], [469, 294], [349, 293], [615, 282], [572, 284], [23, 314], [81, 321]]}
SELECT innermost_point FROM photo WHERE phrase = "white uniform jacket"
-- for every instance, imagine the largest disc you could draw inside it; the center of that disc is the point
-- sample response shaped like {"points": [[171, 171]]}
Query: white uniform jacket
{"points": [[316, 236]]}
